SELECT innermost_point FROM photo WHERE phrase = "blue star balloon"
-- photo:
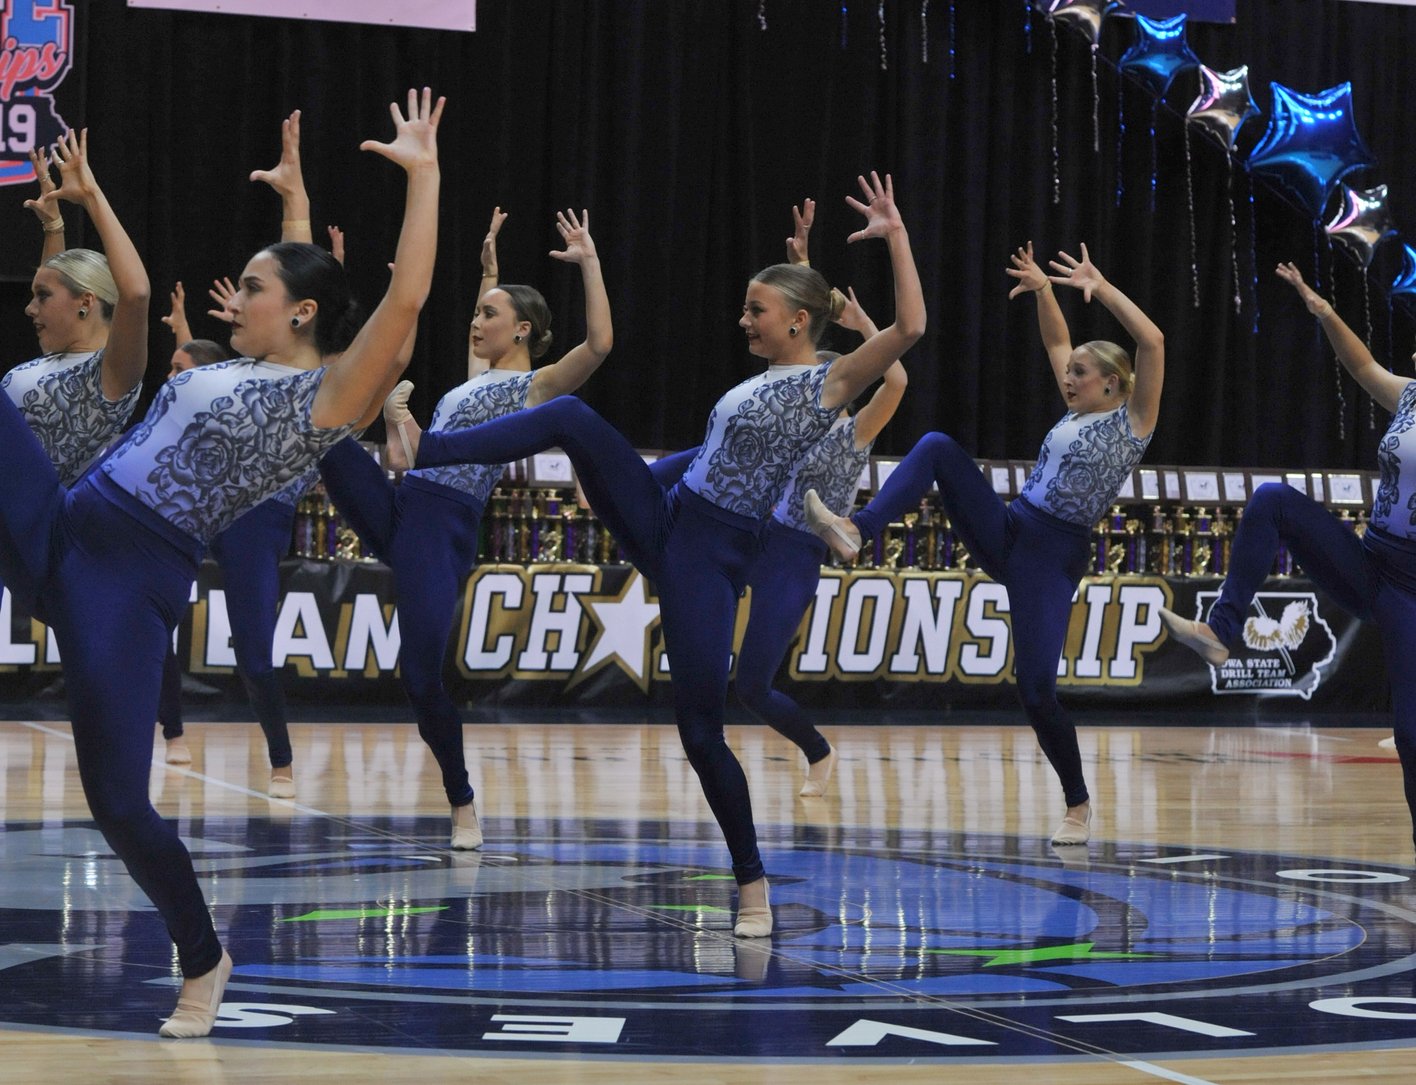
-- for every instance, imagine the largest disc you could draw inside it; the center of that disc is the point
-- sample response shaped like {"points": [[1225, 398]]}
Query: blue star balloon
{"points": [[1311, 143], [1363, 221], [1224, 104], [1160, 53], [1084, 15], [1404, 287]]}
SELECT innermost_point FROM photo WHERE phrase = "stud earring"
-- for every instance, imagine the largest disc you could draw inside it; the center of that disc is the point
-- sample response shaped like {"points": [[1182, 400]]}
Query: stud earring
{"points": [[516, 338], [83, 314], [294, 321], [792, 331]]}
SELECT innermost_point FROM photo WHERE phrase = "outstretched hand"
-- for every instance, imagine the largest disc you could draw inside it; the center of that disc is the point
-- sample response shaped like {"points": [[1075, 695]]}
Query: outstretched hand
{"points": [[40, 161], [881, 214], [579, 246], [1026, 270], [285, 177], [178, 315], [489, 244], [1316, 303], [802, 219], [1081, 274], [336, 244], [415, 140], [76, 180], [221, 292]]}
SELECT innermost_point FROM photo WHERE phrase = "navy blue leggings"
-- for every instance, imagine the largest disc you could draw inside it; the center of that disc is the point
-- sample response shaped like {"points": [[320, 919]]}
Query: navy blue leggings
{"points": [[1038, 558], [427, 534], [1372, 578], [111, 578], [783, 583], [249, 553], [697, 554]]}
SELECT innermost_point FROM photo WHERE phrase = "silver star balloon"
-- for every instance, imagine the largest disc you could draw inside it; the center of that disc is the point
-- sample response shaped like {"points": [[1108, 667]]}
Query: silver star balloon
{"points": [[1224, 104], [1363, 221], [1084, 15]]}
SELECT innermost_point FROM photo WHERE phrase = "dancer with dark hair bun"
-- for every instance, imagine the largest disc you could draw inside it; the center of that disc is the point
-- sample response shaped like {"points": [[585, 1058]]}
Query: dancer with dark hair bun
{"points": [[426, 528], [110, 562], [698, 539], [1038, 546]]}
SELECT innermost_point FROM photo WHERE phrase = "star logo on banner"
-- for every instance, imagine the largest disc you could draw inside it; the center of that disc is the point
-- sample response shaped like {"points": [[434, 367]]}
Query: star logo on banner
{"points": [[626, 623]]}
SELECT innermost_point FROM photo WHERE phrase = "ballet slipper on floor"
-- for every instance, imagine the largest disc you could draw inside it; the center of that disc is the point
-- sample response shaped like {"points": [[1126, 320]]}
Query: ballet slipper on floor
{"points": [[818, 776], [177, 752], [755, 921], [1194, 635], [282, 783], [466, 828], [1074, 830], [196, 1010], [840, 534], [1388, 743]]}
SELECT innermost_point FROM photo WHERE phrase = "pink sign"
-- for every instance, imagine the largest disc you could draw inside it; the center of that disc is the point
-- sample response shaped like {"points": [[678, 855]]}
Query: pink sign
{"points": [[428, 14]]}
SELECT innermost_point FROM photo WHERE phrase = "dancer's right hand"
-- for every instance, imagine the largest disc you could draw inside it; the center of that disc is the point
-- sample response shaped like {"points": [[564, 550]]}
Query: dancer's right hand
{"points": [[802, 219], [1316, 303], [489, 244], [1025, 269], [415, 142]]}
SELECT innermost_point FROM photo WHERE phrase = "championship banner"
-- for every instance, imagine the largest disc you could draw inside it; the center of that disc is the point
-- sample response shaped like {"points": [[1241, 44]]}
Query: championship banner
{"points": [[36, 53], [569, 635]]}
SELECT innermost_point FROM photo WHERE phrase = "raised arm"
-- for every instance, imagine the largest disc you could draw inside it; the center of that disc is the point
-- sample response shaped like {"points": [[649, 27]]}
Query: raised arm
{"points": [[1144, 406], [336, 243], [288, 180], [1382, 385], [490, 278], [573, 370], [1050, 322], [384, 395], [356, 377], [125, 356], [52, 220], [802, 219], [880, 408], [177, 318], [852, 373]]}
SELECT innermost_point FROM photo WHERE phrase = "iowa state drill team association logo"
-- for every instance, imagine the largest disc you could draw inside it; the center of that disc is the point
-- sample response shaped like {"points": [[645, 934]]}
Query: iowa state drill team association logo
{"points": [[1284, 646], [36, 53]]}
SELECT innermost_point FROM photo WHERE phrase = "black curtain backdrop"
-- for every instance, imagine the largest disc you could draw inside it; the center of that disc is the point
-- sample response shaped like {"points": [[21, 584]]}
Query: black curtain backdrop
{"points": [[689, 131]]}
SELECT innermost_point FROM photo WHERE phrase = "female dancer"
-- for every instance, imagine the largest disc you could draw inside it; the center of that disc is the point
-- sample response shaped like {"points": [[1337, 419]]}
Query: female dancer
{"points": [[1372, 578], [697, 541], [1037, 546], [111, 561], [90, 313], [785, 576], [426, 528], [249, 551]]}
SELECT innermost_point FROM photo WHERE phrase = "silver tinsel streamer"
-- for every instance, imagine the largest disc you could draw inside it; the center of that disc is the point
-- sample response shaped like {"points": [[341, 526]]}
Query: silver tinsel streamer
{"points": [[1056, 152], [845, 23], [924, 31], [1367, 316], [1190, 203], [1233, 234], [880, 15], [761, 14], [1096, 96]]}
